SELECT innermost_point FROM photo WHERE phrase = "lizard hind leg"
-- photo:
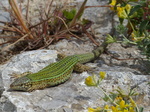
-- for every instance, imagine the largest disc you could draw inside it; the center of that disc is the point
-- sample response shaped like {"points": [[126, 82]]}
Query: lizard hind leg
{"points": [[81, 68]]}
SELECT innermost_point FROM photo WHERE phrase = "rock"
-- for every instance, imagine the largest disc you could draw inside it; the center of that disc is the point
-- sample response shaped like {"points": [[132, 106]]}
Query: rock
{"points": [[126, 58], [73, 95], [6, 105], [1, 81], [72, 47], [1, 86], [64, 109], [101, 16]]}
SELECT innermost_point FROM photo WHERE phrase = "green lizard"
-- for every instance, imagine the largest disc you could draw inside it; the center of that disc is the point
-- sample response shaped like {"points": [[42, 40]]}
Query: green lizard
{"points": [[56, 73]]}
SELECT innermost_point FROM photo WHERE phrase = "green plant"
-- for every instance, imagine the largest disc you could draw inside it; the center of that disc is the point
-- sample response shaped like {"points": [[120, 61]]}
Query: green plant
{"points": [[119, 100], [137, 30]]}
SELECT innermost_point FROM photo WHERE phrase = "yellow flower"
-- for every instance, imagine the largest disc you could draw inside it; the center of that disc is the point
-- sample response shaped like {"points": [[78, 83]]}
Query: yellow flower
{"points": [[106, 107], [122, 104], [113, 3], [94, 110], [90, 81], [118, 98], [131, 109], [132, 102], [121, 12], [128, 8], [126, 111], [114, 109], [102, 74], [135, 36]]}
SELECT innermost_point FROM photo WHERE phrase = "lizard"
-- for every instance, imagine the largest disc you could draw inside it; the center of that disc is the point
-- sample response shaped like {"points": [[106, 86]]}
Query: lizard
{"points": [[56, 73]]}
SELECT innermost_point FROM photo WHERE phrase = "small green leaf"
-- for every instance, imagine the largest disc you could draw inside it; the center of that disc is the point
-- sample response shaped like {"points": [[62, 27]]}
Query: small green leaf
{"points": [[110, 39], [69, 14], [113, 96], [134, 9], [121, 20], [85, 21], [141, 109], [105, 98], [143, 26]]}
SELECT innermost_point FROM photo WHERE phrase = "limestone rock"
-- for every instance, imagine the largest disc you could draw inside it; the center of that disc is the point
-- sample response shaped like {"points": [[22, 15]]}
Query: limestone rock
{"points": [[73, 95]]}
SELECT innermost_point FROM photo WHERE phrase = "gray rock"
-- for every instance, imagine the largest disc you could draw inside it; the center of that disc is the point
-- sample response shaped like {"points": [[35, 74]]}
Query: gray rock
{"points": [[1, 81], [1, 86], [73, 95], [101, 16], [6, 105]]}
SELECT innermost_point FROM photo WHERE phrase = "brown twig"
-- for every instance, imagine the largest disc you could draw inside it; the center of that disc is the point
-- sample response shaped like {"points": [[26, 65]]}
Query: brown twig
{"points": [[68, 28], [7, 28], [9, 36], [19, 16], [79, 13], [27, 10], [99, 6], [7, 47], [7, 42], [90, 36]]}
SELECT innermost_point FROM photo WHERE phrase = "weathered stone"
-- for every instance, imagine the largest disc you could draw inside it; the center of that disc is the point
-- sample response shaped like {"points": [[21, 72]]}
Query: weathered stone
{"points": [[73, 94], [101, 16], [6, 105], [1, 81], [64, 109]]}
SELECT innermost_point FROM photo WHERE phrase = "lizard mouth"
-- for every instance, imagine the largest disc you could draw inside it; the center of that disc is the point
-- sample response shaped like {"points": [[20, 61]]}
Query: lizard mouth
{"points": [[16, 88]]}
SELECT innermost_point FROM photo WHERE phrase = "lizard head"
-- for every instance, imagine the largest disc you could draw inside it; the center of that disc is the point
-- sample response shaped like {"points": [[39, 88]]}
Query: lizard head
{"points": [[21, 84]]}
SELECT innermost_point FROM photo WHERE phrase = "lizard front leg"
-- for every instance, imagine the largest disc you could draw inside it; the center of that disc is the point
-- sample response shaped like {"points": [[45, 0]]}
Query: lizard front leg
{"points": [[15, 76], [61, 56]]}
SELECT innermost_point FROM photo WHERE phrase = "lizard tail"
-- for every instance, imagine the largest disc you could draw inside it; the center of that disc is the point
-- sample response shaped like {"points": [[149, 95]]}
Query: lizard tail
{"points": [[98, 51]]}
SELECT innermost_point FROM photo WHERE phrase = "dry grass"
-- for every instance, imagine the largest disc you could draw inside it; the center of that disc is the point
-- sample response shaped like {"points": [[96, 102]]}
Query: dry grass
{"points": [[47, 25]]}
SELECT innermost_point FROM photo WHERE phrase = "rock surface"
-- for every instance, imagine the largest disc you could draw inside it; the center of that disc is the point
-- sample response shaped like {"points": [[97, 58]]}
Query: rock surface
{"points": [[101, 16], [73, 95]]}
